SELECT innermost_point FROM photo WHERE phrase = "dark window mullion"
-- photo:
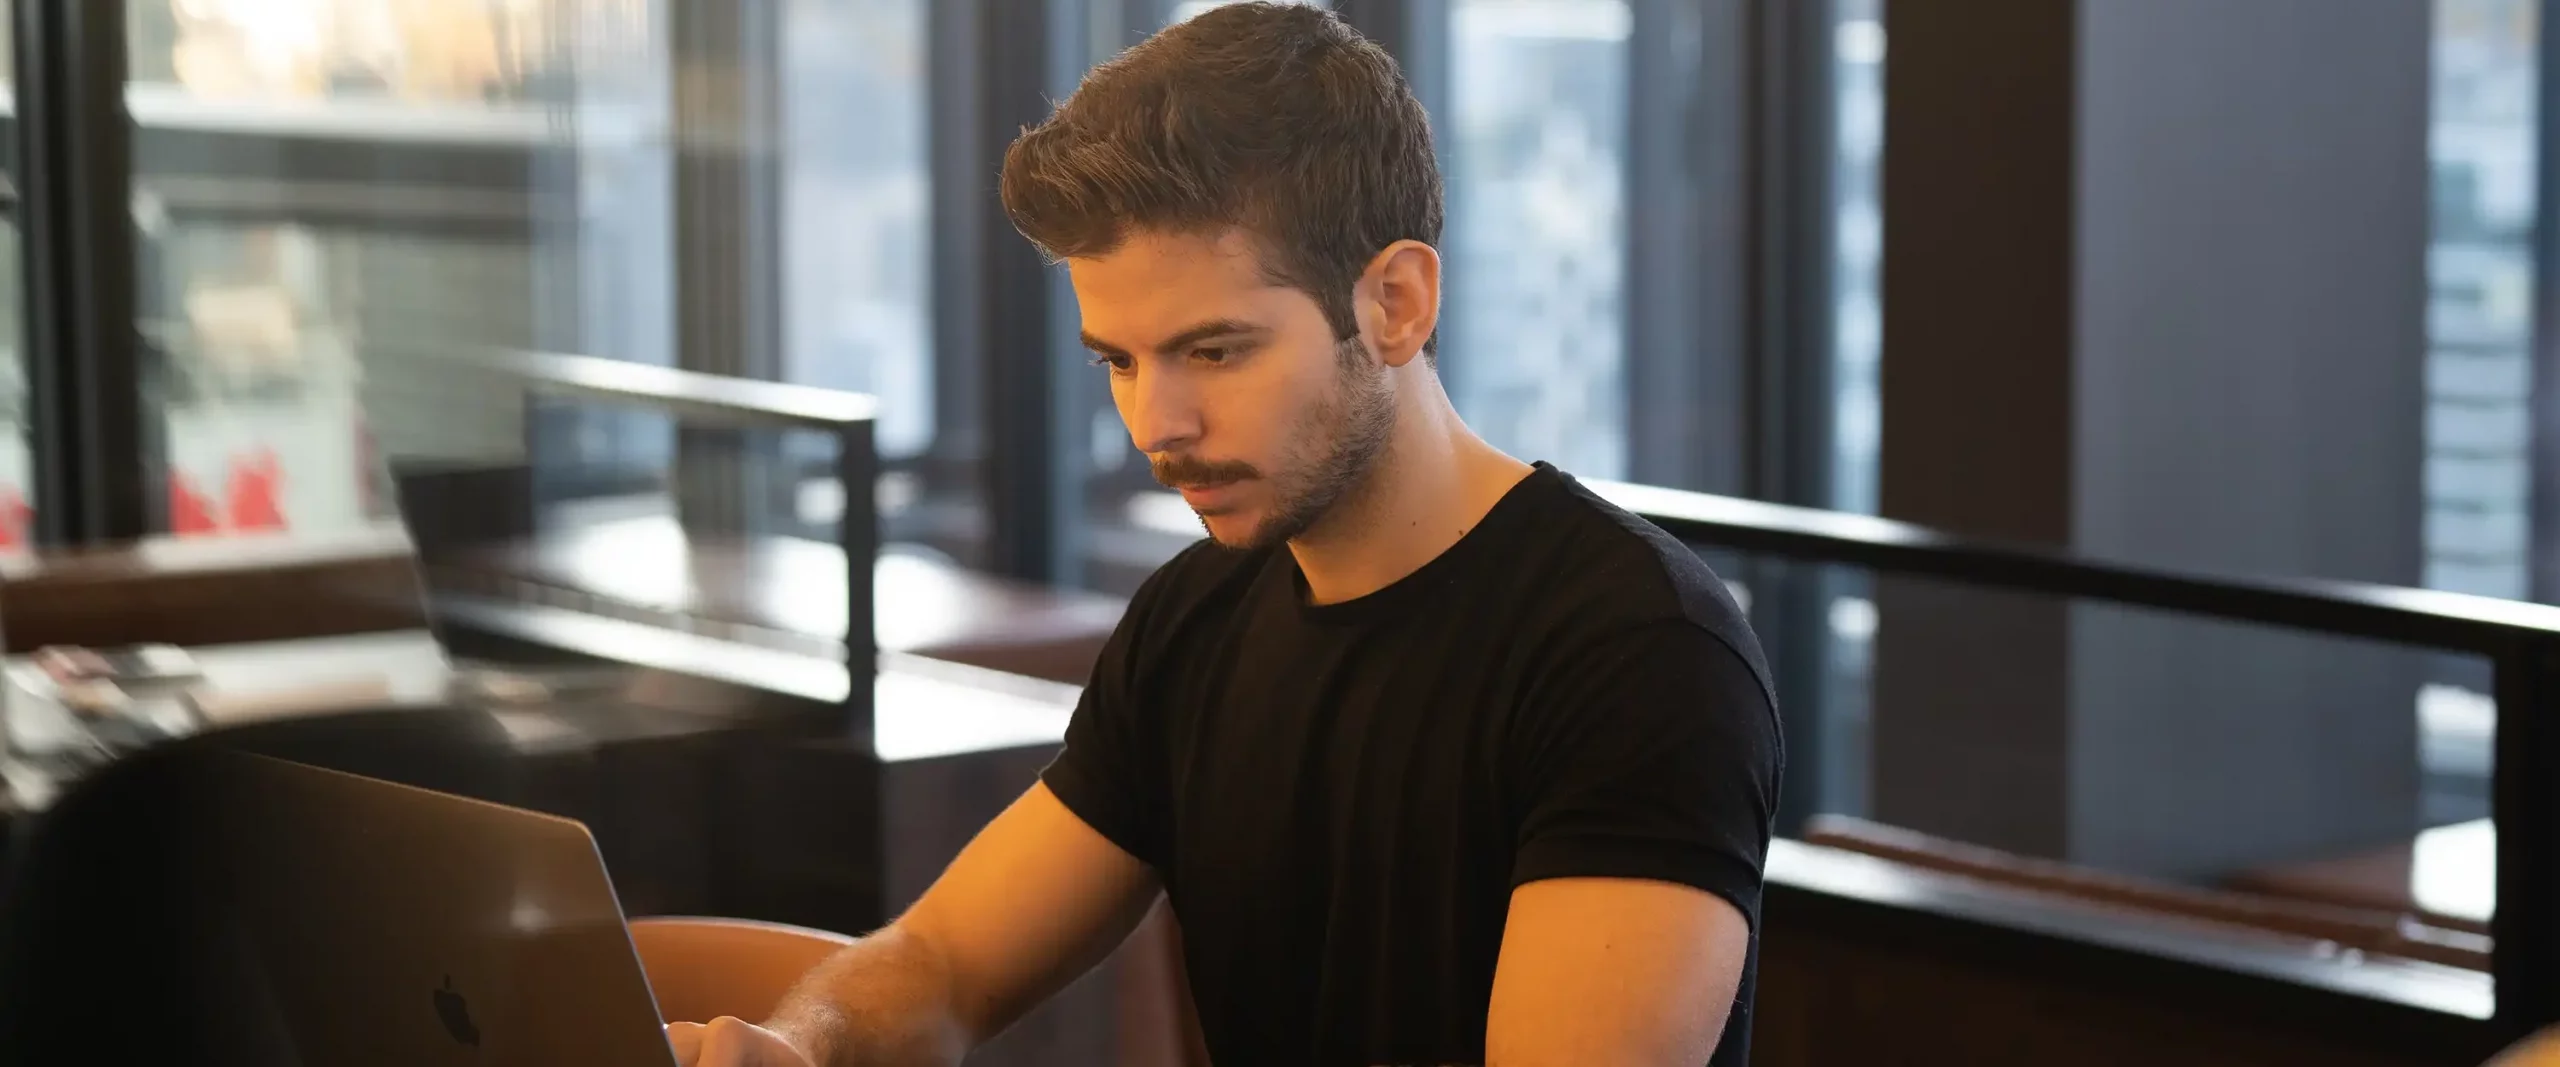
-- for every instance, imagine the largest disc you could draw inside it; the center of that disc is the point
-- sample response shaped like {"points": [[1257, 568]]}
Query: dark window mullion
{"points": [[93, 433]]}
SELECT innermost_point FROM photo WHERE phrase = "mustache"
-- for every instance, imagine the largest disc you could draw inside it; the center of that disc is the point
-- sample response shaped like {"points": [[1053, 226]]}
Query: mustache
{"points": [[1192, 472]]}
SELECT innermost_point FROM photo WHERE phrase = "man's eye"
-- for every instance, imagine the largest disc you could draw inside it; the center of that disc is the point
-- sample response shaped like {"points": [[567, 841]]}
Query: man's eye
{"points": [[1118, 364], [1211, 354]]}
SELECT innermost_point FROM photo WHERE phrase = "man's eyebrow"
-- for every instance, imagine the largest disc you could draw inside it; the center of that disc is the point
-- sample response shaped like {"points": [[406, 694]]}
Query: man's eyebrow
{"points": [[1185, 338], [1212, 329], [1099, 346]]}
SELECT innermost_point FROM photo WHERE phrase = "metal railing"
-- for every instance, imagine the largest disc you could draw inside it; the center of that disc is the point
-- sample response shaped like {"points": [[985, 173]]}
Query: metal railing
{"points": [[712, 400], [2521, 641]]}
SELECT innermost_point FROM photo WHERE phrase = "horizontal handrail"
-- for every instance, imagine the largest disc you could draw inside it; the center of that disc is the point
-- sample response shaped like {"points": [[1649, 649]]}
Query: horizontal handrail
{"points": [[690, 395], [2422, 617]]}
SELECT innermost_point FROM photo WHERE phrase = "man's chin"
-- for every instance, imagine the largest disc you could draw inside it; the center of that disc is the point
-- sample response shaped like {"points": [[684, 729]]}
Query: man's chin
{"points": [[1231, 528]]}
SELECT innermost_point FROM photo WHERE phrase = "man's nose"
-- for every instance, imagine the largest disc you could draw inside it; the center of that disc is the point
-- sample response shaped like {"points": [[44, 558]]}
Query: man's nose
{"points": [[1162, 415]]}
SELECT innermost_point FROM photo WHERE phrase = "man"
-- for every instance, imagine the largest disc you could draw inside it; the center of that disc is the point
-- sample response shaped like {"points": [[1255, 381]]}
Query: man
{"points": [[1439, 758]]}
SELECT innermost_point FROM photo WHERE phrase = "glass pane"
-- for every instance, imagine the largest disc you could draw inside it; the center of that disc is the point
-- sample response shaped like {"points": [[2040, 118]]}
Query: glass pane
{"points": [[2033, 743], [1536, 144]]}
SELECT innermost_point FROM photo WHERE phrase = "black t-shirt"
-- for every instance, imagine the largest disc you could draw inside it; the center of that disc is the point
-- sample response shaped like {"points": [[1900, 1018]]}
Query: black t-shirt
{"points": [[1340, 798]]}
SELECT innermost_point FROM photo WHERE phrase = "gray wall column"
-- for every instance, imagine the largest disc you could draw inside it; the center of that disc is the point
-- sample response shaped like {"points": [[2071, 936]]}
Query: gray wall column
{"points": [[2155, 290]]}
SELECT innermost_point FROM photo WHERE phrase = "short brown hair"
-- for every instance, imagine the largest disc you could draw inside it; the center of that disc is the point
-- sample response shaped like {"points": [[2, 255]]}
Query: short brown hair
{"points": [[1276, 118]]}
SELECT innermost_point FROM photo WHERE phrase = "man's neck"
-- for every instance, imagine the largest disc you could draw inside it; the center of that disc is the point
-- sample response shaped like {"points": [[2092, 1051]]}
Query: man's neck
{"points": [[1434, 482]]}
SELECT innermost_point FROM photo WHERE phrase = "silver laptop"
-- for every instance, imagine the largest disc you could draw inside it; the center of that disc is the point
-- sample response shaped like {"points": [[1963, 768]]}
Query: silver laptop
{"points": [[379, 924]]}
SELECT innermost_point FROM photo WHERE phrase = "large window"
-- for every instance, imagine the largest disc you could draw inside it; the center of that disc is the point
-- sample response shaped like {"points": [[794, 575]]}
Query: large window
{"points": [[343, 201], [1536, 138]]}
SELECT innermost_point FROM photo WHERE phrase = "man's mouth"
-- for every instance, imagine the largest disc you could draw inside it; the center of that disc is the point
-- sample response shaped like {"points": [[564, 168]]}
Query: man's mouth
{"points": [[1206, 496]]}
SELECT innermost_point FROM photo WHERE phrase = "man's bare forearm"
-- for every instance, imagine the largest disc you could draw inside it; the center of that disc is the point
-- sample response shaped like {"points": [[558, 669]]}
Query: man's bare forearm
{"points": [[888, 1000]]}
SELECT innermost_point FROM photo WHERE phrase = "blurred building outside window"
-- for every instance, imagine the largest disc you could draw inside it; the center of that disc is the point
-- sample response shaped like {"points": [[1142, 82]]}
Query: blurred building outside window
{"points": [[1184, 10], [857, 203], [1534, 343], [336, 321], [2483, 155], [1857, 57]]}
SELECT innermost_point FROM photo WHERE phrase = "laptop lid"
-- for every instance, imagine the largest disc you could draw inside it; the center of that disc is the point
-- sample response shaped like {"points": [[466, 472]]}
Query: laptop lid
{"points": [[381, 924]]}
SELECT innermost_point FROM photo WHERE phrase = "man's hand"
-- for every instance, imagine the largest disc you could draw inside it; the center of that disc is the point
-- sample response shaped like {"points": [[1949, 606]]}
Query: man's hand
{"points": [[731, 1042], [961, 965]]}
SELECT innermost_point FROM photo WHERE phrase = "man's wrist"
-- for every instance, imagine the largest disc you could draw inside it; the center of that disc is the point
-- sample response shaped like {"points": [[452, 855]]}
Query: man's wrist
{"points": [[811, 1029]]}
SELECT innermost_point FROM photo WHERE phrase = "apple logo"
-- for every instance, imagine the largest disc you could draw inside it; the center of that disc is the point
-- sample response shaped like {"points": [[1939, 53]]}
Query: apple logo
{"points": [[456, 1014]]}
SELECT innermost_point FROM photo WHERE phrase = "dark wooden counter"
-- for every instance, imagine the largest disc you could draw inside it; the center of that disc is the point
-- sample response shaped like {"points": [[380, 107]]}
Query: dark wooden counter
{"points": [[1871, 960], [214, 590]]}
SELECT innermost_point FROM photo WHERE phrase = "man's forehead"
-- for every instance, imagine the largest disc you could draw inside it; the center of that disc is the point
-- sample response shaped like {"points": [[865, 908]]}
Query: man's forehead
{"points": [[1231, 252], [1154, 285]]}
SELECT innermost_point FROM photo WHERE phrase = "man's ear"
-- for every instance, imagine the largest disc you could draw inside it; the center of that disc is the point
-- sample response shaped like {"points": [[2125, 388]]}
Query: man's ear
{"points": [[1397, 300]]}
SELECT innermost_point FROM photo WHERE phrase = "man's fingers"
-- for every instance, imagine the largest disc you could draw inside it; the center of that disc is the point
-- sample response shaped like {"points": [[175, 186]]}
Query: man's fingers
{"points": [[730, 1042], [686, 1040]]}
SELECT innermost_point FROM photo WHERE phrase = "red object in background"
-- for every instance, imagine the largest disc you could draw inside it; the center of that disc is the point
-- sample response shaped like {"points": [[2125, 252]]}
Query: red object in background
{"points": [[252, 492], [190, 512], [15, 518]]}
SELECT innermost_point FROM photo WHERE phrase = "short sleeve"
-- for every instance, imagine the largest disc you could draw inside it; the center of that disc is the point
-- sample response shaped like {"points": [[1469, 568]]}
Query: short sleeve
{"points": [[1655, 755], [1111, 774]]}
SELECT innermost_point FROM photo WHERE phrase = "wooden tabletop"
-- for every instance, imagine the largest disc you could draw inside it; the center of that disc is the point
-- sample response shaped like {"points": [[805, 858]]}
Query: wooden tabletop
{"points": [[256, 679], [787, 584]]}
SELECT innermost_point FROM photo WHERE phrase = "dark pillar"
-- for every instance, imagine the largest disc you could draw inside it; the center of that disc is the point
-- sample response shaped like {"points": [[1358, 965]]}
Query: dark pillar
{"points": [[1027, 54], [2155, 290], [94, 423], [1968, 730]]}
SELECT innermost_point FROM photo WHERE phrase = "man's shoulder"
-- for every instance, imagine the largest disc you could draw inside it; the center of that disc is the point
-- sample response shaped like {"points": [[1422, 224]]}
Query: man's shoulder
{"points": [[1642, 568], [1616, 572]]}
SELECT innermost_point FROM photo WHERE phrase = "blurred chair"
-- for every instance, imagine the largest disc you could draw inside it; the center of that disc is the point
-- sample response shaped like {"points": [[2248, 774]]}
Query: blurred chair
{"points": [[113, 873], [2539, 1050], [704, 968], [1159, 1025]]}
